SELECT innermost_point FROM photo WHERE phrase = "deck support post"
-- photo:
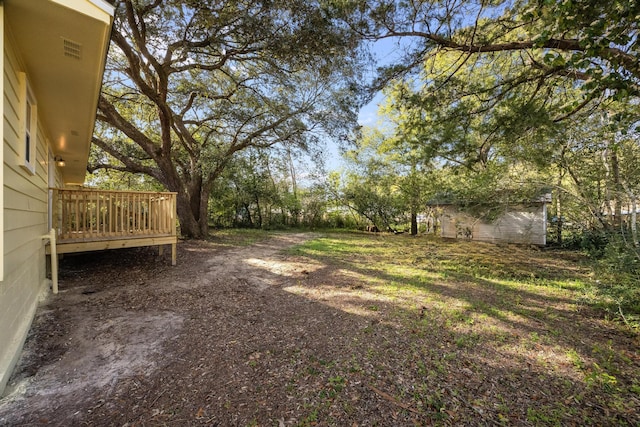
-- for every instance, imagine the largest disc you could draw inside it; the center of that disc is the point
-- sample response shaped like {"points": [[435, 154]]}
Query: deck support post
{"points": [[51, 237]]}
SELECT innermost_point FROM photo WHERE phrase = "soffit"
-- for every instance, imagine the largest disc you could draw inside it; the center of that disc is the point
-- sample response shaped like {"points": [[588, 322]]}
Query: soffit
{"points": [[63, 45]]}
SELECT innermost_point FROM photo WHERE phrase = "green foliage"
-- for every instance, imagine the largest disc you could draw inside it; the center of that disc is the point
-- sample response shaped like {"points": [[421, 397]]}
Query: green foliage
{"points": [[618, 278], [526, 97], [117, 180], [386, 181], [260, 189], [591, 43], [188, 85]]}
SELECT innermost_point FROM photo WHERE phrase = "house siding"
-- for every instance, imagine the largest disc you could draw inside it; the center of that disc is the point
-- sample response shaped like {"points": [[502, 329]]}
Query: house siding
{"points": [[526, 225], [25, 221]]}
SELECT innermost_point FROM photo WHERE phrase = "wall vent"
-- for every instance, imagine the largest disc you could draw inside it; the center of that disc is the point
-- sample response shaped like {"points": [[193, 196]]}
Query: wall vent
{"points": [[71, 49]]}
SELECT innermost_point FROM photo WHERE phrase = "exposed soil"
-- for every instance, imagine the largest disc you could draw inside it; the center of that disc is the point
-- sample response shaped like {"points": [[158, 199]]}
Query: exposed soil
{"points": [[223, 339], [129, 335]]}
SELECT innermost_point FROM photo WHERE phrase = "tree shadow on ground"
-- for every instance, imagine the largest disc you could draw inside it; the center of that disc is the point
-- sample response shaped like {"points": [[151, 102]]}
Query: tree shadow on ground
{"points": [[294, 341]]}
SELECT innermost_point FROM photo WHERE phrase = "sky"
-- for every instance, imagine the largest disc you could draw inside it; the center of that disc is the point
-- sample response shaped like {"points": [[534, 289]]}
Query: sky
{"points": [[386, 51], [368, 116]]}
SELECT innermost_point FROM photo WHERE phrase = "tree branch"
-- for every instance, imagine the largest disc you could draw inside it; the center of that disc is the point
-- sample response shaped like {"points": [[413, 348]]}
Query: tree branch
{"points": [[613, 55], [129, 164], [111, 116]]}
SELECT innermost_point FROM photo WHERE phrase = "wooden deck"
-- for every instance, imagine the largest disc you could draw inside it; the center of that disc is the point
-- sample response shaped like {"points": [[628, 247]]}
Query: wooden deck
{"points": [[92, 220]]}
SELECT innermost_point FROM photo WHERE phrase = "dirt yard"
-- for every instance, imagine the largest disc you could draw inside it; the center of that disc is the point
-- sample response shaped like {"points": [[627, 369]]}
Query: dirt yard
{"points": [[222, 340]]}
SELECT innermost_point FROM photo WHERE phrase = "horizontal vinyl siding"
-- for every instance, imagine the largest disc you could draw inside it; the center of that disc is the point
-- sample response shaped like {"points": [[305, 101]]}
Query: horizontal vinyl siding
{"points": [[520, 225], [25, 221], [26, 190], [526, 225], [19, 202], [453, 222]]}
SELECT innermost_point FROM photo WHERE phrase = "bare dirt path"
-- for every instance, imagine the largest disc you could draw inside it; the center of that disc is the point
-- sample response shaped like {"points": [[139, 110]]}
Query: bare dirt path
{"points": [[130, 339], [242, 334]]}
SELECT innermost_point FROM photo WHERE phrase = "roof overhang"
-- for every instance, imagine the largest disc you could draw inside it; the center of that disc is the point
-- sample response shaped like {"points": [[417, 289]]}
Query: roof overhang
{"points": [[63, 45]]}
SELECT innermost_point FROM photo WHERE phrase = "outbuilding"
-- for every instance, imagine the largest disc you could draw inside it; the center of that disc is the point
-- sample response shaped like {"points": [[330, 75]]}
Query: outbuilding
{"points": [[524, 223]]}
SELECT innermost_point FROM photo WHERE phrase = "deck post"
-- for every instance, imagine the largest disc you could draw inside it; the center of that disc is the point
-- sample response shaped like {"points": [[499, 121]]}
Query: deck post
{"points": [[173, 225], [54, 258]]}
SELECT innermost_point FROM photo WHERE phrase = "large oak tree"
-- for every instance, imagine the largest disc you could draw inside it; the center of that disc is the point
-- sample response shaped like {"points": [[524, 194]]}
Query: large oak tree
{"points": [[190, 83]]}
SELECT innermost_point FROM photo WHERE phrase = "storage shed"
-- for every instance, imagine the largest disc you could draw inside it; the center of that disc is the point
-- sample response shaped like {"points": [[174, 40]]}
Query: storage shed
{"points": [[524, 224]]}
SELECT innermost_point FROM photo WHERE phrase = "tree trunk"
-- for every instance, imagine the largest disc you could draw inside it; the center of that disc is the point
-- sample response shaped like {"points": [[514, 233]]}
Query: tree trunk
{"points": [[188, 222], [594, 209], [414, 223], [559, 208], [614, 201], [192, 210], [558, 221], [633, 214], [203, 216], [259, 212], [617, 188], [292, 170], [249, 216]]}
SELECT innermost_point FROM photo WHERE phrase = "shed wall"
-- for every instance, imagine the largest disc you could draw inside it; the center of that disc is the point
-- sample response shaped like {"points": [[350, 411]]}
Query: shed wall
{"points": [[526, 225]]}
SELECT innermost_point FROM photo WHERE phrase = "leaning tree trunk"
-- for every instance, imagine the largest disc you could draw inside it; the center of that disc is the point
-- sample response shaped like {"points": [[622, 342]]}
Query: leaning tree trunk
{"points": [[247, 210], [259, 211]]}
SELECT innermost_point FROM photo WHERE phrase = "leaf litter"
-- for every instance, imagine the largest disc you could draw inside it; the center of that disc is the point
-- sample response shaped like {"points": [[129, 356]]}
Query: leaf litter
{"points": [[262, 334]]}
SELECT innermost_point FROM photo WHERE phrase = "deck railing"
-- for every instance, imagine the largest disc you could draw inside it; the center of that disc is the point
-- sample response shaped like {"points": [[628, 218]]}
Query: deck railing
{"points": [[105, 214]]}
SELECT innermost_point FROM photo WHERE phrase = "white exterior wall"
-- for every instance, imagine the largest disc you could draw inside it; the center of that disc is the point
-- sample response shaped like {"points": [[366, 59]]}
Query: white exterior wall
{"points": [[520, 225], [25, 198]]}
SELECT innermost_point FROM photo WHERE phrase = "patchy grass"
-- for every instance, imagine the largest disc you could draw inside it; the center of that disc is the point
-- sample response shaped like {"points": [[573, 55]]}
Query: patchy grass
{"points": [[345, 329], [238, 236], [468, 332]]}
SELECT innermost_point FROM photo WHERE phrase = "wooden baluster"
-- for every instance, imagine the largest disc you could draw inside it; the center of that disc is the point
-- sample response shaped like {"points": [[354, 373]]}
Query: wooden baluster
{"points": [[65, 215], [160, 214], [153, 215], [120, 213], [77, 212], [103, 215], [132, 216], [112, 210], [90, 207], [84, 206], [140, 202], [146, 214], [83, 213]]}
